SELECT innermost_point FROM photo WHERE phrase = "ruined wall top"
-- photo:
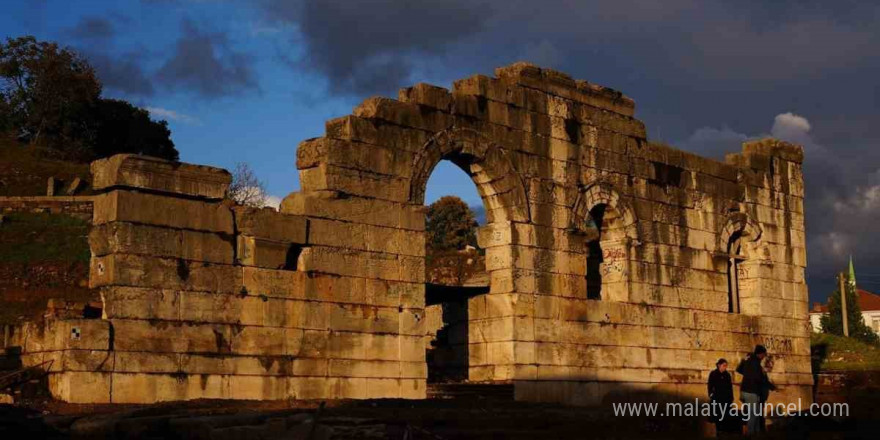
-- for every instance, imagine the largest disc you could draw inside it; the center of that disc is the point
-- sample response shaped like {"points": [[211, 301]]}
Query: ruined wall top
{"points": [[154, 174], [563, 85]]}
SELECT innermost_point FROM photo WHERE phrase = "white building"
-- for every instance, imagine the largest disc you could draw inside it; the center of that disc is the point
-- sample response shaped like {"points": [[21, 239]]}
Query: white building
{"points": [[868, 302]]}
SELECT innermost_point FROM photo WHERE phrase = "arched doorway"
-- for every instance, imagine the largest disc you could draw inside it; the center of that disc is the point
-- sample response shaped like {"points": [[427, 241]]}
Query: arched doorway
{"points": [[452, 308], [455, 270]]}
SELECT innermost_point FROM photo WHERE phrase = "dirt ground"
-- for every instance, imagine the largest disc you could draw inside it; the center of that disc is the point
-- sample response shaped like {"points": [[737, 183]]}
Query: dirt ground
{"points": [[393, 419]]}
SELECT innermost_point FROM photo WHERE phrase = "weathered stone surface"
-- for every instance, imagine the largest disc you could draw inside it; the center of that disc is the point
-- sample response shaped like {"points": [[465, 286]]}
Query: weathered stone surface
{"points": [[145, 172], [612, 261], [333, 288], [259, 252], [371, 238], [130, 238], [156, 210], [359, 210], [376, 265], [163, 273], [269, 224]]}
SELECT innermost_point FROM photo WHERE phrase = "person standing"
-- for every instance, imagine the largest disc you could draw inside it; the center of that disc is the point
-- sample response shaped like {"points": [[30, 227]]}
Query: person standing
{"points": [[754, 388], [720, 387]]}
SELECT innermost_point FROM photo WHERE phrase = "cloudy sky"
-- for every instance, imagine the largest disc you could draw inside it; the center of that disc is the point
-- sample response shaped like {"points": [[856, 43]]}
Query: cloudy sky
{"points": [[246, 81]]}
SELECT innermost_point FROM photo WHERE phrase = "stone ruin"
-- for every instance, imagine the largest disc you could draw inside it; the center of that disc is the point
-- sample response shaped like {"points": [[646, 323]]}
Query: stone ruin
{"points": [[619, 268]]}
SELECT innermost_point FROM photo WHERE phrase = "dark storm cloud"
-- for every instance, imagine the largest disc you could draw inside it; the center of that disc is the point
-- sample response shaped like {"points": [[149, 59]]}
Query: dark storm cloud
{"points": [[205, 63], [368, 47], [706, 73], [93, 28], [124, 73]]}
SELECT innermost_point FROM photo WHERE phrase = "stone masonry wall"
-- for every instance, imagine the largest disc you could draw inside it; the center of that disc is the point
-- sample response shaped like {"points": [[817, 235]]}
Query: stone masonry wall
{"points": [[326, 298], [77, 206]]}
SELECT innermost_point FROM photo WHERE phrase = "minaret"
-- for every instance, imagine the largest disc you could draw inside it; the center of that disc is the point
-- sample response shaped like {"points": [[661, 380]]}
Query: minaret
{"points": [[852, 274]]}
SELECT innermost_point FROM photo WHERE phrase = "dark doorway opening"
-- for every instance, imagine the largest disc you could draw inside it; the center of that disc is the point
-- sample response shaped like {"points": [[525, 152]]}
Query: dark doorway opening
{"points": [[446, 350], [594, 257]]}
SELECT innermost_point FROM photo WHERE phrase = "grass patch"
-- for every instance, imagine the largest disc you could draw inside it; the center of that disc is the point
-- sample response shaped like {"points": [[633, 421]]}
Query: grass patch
{"points": [[24, 170], [43, 237], [837, 353]]}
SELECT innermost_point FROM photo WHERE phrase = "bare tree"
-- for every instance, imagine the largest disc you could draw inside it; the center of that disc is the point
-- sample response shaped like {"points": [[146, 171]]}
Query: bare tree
{"points": [[246, 189]]}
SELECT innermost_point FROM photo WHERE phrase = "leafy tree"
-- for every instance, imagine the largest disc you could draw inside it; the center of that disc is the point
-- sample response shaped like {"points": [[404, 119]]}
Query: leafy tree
{"points": [[124, 128], [49, 92], [450, 225], [246, 189], [50, 96], [832, 322]]}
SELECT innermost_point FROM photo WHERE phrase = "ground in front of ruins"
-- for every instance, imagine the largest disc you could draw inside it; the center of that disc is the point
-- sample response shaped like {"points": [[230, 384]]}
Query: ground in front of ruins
{"points": [[451, 414]]}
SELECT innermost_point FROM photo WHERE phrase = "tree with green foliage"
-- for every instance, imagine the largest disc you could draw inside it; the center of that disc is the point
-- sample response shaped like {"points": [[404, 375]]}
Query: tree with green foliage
{"points": [[832, 322], [49, 92], [451, 225], [124, 128], [50, 96]]}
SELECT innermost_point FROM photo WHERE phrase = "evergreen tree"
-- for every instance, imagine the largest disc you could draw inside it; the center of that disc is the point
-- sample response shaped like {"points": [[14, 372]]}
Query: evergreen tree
{"points": [[832, 322]]}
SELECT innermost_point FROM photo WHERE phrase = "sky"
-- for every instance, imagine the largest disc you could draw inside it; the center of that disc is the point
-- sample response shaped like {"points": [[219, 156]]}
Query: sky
{"points": [[247, 81]]}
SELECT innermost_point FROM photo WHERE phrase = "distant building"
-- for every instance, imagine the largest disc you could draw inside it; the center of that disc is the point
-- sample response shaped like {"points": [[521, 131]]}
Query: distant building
{"points": [[868, 302]]}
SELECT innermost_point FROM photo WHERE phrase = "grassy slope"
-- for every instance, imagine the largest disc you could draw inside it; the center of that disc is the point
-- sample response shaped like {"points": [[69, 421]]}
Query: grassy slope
{"points": [[43, 237], [24, 170], [836, 353], [42, 255]]}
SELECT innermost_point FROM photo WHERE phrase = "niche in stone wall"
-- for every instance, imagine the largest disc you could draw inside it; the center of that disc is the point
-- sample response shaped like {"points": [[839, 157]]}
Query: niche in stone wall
{"points": [[607, 255]]}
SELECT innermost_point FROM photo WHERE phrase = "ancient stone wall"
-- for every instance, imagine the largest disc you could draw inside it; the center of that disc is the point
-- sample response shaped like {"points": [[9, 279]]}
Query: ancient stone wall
{"points": [[619, 267], [76, 206]]}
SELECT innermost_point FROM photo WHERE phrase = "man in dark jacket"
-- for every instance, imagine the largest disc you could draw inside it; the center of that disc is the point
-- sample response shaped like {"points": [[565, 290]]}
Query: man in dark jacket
{"points": [[754, 388]]}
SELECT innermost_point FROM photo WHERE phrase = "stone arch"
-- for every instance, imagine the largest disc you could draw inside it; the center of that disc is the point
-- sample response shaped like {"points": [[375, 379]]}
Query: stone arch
{"points": [[738, 223], [738, 243], [601, 193], [488, 165], [610, 226]]}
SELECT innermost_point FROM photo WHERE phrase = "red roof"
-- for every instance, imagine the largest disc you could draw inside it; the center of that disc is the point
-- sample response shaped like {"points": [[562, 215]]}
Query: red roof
{"points": [[867, 302]]}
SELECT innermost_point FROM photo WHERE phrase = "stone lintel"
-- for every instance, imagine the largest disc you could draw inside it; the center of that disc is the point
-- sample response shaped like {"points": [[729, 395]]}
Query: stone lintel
{"points": [[151, 173]]}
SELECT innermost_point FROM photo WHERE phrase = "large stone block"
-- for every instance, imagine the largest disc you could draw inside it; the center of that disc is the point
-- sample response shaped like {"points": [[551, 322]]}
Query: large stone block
{"points": [[353, 128], [327, 177], [145, 172], [355, 155], [129, 238], [335, 206], [366, 237], [157, 210], [560, 84], [427, 95], [140, 303], [163, 273], [333, 288], [271, 254], [508, 233], [269, 224], [81, 387], [403, 113], [376, 265]]}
